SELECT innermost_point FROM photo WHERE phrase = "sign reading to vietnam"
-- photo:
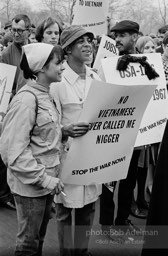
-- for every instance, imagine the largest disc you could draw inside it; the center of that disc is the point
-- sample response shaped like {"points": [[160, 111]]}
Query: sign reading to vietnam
{"points": [[107, 48], [91, 15], [103, 154], [7, 75], [155, 116]]}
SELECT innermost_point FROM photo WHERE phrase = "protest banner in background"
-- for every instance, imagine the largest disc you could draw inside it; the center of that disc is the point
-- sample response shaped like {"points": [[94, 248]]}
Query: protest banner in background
{"points": [[7, 75], [107, 48], [155, 116], [103, 154], [91, 15]]}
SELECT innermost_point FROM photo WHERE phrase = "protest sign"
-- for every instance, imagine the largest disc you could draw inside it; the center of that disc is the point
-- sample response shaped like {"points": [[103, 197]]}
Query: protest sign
{"points": [[7, 75], [155, 116], [91, 15], [103, 154], [107, 48]]}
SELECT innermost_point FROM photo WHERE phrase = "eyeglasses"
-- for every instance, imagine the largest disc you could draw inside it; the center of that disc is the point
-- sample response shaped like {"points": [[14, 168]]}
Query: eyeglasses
{"points": [[19, 31]]}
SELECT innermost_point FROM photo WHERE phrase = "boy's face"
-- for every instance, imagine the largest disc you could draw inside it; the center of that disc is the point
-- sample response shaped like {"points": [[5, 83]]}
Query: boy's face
{"points": [[81, 49]]}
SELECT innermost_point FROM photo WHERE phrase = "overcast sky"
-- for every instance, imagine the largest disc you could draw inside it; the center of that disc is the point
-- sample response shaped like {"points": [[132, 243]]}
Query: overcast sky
{"points": [[35, 4]]}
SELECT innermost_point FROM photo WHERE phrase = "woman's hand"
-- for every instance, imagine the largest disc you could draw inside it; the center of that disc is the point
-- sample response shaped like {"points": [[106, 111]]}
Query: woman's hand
{"points": [[75, 130]]}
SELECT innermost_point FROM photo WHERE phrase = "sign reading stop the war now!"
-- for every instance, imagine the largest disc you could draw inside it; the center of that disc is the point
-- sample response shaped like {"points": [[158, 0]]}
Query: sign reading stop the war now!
{"points": [[156, 114], [103, 154]]}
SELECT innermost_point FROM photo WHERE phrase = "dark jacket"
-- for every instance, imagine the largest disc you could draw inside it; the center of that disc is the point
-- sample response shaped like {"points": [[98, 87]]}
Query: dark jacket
{"points": [[158, 211], [12, 55]]}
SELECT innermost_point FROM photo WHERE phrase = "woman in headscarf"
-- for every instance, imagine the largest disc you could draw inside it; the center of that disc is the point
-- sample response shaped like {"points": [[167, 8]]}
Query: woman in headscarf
{"points": [[29, 146]]}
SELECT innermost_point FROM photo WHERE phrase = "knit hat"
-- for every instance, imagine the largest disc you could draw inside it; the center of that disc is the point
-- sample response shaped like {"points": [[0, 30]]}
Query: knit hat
{"points": [[37, 54], [72, 33]]}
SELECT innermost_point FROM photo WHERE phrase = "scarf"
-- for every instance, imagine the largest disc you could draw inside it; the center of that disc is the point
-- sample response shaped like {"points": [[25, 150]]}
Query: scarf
{"points": [[123, 62]]}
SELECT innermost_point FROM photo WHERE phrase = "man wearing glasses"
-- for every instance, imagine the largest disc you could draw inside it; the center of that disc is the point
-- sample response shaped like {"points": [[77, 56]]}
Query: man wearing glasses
{"points": [[12, 55]]}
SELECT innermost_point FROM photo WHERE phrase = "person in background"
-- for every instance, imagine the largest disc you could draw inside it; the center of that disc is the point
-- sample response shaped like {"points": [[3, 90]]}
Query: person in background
{"points": [[152, 35], [8, 26], [126, 35], [144, 44], [32, 36], [160, 35], [156, 41], [49, 31], [157, 220], [69, 96], [11, 55], [165, 57], [32, 154], [8, 39]]}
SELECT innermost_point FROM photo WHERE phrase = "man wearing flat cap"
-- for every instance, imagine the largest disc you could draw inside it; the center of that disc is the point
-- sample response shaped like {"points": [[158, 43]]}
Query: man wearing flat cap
{"points": [[126, 35], [69, 96]]}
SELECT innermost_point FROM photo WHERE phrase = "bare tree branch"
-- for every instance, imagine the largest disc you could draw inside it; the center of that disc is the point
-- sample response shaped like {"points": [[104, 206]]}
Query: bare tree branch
{"points": [[163, 12]]}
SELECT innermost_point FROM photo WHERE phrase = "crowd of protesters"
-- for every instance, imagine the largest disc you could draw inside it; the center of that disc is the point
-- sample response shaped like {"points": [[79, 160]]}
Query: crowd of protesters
{"points": [[46, 116]]}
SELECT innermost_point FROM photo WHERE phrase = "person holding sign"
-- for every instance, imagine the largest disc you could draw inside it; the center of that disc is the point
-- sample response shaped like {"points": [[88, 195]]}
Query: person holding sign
{"points": [[30, 146], [69, 96], [126, 35]]}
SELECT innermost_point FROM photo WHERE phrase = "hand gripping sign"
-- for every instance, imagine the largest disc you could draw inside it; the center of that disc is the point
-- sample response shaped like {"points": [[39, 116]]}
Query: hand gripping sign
{"points": [[153, 123], [103, 154]]}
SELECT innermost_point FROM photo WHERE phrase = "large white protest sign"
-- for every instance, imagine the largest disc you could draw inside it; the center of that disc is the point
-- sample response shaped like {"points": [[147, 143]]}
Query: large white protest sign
{"points": [[103, 154], [7, 75], [91, 15], [154, 119], [107, 48]]}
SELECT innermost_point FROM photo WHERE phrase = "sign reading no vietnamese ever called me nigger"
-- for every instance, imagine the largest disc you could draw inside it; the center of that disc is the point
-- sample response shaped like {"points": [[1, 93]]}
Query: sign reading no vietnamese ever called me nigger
{"points": [[114, 113]]}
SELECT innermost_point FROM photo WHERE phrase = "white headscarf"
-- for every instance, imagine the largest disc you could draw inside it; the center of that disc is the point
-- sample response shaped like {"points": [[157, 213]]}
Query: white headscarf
{"points": [[37, 54]]}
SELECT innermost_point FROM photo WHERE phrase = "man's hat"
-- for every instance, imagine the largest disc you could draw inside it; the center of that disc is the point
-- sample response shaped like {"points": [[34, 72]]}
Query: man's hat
{"points": [[72, 33], [8, 24], [125, 25]]}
